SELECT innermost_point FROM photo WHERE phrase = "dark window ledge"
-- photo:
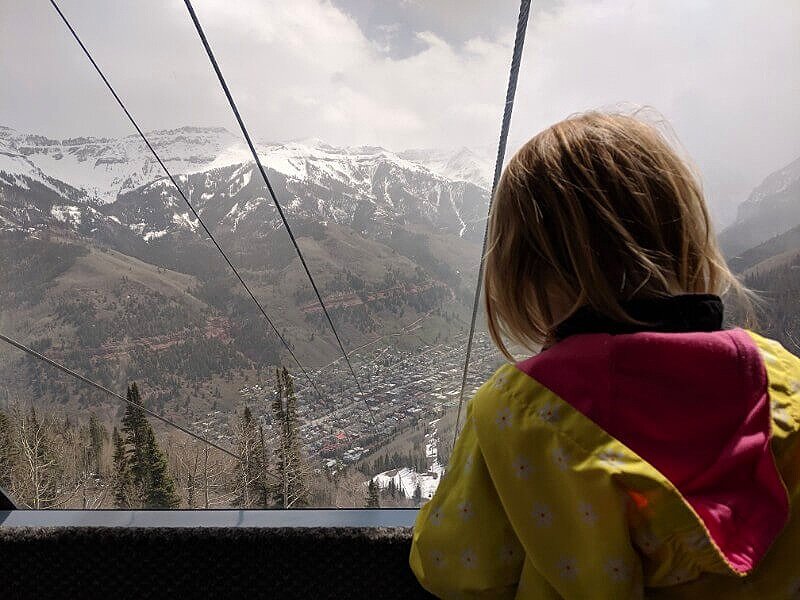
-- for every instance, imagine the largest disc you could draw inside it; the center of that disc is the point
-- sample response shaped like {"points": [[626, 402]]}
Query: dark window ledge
{"points": [[207, 554]]}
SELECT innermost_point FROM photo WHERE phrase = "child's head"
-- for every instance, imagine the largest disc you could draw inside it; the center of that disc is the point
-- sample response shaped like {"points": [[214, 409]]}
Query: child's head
{"points": [[594, 211]]}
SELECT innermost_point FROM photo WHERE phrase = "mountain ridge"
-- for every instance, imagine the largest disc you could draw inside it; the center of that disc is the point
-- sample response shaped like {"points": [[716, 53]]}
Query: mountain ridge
{"points": [[355, 185], [771, 209]]}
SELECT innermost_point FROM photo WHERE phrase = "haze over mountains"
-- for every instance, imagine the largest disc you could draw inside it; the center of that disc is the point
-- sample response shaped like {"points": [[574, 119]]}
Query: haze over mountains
{"points": [[103, 260], [771, 209]]}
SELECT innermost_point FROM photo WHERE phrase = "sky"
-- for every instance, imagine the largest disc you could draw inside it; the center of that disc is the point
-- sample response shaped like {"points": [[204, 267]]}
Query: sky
{"points": [[419, 73]]}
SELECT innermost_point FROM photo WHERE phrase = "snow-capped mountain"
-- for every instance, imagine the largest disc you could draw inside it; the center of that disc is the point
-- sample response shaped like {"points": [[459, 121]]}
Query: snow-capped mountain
{"points": [[463, 164], [107, 167], [30, 198], [117, 181], [776, 183], [368, 189], [771, 209]]}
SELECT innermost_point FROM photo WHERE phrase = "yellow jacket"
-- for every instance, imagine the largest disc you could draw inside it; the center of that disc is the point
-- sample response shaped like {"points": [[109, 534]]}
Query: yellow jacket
{"points": [[539, 502]]}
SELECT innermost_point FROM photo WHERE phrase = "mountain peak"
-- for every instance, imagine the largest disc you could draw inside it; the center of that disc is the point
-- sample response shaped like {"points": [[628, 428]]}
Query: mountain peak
{"points": [[188, 130], [776, 182], [311, 142], [771, 209]]}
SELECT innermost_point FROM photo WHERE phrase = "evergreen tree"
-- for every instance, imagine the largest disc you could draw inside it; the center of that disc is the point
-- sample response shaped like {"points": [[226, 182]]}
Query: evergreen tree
{"points": [[134, 425], [146, 464], [122, 477], [417, 495], [159, 491], [372, 495]]}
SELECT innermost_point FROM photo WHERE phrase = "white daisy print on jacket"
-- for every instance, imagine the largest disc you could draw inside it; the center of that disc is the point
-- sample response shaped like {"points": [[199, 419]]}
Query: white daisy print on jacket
{"points": [[542, 515], [568, 568], [521, 468], [503, 419], [465, 510], [646, 541], [612, 458], [588, 515], [437, 559], [469, 559], [435, 516], [616, 569], [549, 412], [500, 382], [508, 554], [560, 458]]}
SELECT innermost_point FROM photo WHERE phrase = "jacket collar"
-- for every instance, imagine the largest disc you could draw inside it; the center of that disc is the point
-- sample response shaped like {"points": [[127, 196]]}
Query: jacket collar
{"points": [[671, 314]]}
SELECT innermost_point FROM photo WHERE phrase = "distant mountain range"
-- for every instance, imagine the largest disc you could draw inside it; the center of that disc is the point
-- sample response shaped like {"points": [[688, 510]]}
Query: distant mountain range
{"points": [[763, 247], [103, 264], [91, 184], [772, 209]]}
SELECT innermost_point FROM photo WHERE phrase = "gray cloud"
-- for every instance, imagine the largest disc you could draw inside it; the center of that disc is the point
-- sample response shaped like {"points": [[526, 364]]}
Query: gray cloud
{"points": [[411, 73]]}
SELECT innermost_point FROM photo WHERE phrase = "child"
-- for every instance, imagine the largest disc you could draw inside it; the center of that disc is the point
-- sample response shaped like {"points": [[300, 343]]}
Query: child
{"points": [[646, 450]]}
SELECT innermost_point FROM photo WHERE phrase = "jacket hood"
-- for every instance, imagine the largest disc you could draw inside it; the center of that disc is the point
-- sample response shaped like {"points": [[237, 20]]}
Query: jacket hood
{"points": [[696, 407]]}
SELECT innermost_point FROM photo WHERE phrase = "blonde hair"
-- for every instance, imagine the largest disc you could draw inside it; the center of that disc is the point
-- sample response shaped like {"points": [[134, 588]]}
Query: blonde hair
{"points": [[594, 211]]}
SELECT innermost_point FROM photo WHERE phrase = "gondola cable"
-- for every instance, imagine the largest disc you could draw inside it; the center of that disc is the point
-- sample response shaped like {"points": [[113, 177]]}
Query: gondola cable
{"points": [[516, 61], [114, 394], [185, 199], [274, 197], [508, 107]]}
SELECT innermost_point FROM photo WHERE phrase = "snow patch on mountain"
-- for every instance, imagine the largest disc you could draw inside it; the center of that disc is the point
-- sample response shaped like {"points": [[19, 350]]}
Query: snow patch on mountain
{"points": [[66, 213], [154, 235], [241, 180], [407, 480], [107, 167], [237, 214], [184, 220], [777, 182], [463, 164], [18, 171]]}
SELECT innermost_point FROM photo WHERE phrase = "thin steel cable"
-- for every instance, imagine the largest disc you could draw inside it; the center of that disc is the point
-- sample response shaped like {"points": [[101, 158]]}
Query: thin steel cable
{"points": [[6, 500], [185, 199], [513, 76], [277, 204], [112, 393]]}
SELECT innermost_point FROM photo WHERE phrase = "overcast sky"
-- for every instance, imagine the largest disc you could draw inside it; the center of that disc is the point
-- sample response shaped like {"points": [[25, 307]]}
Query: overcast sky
{"points": [[419, 73]]}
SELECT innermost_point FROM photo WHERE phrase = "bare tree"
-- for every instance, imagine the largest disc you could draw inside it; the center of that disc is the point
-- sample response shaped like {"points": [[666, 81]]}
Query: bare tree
{"points": [[203, 475], [251, 475], [40, 476], [348, 489], [292, 469]]}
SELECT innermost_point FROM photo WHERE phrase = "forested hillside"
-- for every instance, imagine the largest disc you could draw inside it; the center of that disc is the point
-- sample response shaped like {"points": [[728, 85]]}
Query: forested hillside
{"points": [[779, 310]]}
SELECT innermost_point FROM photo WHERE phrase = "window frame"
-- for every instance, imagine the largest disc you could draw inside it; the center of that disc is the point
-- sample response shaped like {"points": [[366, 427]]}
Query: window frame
{"points": [[222, 518]]}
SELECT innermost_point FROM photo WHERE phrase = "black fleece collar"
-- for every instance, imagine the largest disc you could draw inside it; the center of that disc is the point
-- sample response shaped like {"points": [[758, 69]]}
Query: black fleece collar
{"points": [[672, 314]]}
